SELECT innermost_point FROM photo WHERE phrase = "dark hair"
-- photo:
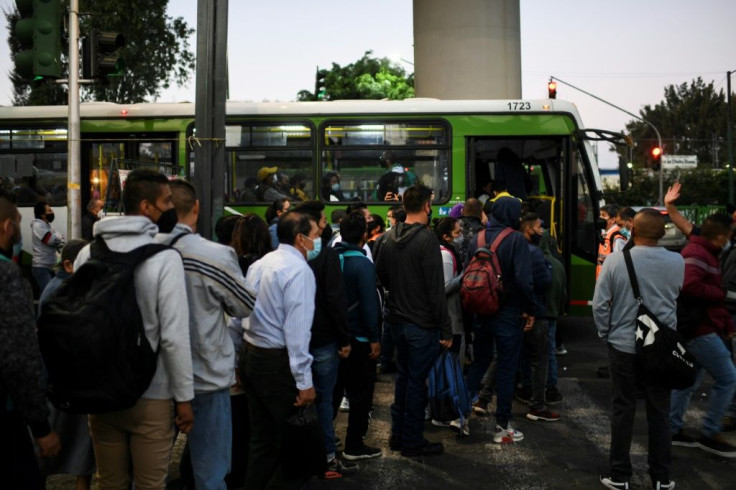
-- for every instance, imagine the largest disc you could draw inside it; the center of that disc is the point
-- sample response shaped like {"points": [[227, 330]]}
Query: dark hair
{"points": [[399, 213], [313, 209], [377, 224], [353, 227], [445, 227], [337, 216], [610, 209], [71, 249], [499, 186], [39, 209], [626, 213], [415, 197], [355, 206], [142, 184], [251, 236], [327, 177], [275, 207], [472, 207], [528, 219], [291, 225], [224, 228], [716, 224], [8, 208], [183, 195], [91, 204]]}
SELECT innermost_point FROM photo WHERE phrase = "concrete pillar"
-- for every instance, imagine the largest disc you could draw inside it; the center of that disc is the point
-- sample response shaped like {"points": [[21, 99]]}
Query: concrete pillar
{"points": [[467, 49]]}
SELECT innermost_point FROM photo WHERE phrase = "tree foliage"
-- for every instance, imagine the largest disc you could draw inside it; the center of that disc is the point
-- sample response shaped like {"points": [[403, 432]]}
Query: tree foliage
{"points": [[691, 120], [367, 78], [157, 52]]}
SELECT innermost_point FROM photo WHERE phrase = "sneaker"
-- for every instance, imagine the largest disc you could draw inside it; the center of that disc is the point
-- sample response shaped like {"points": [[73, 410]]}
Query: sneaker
{"points": [[545, 415], [439, 423], [481, 407], [426, 448], [552, 396], [728, 424], [462, 429], [609, 482], [344, 405], [523, 394], [683, 439], [362, 452], [427, 414], [508, 435], [717, 445], [660, 485], [337, 468], [560, 350]]}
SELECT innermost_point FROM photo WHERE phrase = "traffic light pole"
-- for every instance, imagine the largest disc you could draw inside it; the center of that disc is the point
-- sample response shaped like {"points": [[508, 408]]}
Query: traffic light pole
{"points": [[729, 118], [74, 170]]}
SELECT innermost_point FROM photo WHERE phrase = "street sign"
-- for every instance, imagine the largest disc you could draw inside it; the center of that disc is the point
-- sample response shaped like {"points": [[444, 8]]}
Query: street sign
{"points": [[679, 161]]}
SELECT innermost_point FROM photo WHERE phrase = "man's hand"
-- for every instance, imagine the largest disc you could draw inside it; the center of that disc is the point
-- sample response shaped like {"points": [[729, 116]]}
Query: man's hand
{"points": [[305, 397], [49, 444], [528, 321], [344, 351], [446, 343], [184, 416], [483, 218], [673, 194], [375, 350]]}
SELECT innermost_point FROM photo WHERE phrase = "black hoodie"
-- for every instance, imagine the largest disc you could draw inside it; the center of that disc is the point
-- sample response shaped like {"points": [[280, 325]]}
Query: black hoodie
{"points": [[409, 266]]}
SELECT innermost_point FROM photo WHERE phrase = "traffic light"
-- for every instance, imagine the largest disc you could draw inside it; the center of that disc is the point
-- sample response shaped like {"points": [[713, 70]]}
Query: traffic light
{"points": [[656, 157], [39, 33], [320, 87], [100, 55], [552, 89]]}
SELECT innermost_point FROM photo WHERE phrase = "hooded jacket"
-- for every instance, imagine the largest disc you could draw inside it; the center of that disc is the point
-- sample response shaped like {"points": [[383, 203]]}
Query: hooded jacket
{"points": [[556, 294], [160, 288], [409, 266], [513, 254]]}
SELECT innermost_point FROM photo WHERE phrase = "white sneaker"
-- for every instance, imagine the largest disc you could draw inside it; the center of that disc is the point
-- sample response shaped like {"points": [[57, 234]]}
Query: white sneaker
{"points": [[506, 436], [439, 423], [344, 405], [462, 429]]}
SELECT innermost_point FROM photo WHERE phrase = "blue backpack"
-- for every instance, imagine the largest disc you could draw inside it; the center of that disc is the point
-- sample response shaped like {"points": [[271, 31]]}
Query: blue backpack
{"points": [[448, 394]]}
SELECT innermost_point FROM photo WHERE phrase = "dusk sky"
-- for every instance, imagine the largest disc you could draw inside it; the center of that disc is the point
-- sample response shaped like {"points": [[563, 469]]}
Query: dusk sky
{"points": [[625, 52]]}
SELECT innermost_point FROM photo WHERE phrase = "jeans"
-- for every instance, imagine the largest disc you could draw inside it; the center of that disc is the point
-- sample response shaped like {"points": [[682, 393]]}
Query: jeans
{"points": [[624, 377], [324, 376], [210, 441], [711, 354], [43, 276], [536, 345], [388, 346], [417, 349], [552, 366], [505, 328]]}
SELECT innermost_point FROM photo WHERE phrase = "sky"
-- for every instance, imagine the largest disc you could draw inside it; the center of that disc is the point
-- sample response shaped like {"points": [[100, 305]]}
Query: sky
{"points": [[625, 52]]}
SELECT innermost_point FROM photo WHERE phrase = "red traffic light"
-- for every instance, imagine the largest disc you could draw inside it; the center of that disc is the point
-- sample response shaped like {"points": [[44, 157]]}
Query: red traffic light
{"points": [[552, 89], [656, 152]]}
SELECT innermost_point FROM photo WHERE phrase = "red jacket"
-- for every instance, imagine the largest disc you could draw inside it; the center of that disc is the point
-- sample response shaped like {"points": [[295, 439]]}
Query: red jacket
{"points": [[703, 281]]}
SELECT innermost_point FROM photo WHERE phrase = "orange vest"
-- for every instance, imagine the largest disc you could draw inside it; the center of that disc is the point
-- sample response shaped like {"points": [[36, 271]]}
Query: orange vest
{"points": [[605, 248]]}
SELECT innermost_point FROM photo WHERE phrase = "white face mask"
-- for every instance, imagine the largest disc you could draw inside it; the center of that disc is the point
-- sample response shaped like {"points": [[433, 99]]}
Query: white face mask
{"points": [[101, 213]]}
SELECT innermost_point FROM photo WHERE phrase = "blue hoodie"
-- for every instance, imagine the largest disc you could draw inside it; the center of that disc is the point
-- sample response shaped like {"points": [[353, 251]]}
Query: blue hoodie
{"points": [[513, 254]]}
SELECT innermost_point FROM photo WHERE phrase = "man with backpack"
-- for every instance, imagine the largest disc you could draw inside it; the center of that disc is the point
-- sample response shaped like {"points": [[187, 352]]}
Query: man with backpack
{"points": [[214, 285], [516, 313], [144, 434]]}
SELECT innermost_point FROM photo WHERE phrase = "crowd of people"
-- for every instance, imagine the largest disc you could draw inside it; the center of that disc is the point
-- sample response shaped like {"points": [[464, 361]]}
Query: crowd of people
{"points": [[292, 316]]}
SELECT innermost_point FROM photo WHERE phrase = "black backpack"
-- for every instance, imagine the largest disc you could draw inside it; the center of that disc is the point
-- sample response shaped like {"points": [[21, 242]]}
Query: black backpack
{"points": [[92, 337]]}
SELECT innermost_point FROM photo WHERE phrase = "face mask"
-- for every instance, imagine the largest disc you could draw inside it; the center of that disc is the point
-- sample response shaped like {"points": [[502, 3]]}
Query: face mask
{"points": [[458, 241], [726, 247], [535, 239], [101, 213], [312, 254], [335, 187], [17, 242], [167, 221], [625, 232], [50, 217]]}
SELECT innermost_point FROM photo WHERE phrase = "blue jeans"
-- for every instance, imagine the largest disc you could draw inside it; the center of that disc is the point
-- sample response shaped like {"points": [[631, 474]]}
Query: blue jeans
{"points": [[506, 329], [210, 441], [324, 376], [552, 366], [43, 276], [417, 349], [711, 355]]}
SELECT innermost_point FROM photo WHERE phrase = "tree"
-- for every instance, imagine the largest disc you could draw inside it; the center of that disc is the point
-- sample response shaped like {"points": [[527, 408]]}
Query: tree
{"points": [[367, 78], [691, 120], [156, 52], [700, 186]]}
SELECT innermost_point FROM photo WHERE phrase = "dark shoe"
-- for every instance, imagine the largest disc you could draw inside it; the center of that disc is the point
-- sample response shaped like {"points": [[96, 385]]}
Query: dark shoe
{"points": [[609, 482], [728, 424], [387, 368], [524, 394], [426, 448], [337, 468], [683, 439], [552, 396], [661, 485], [394, 443], [545, 415], [717, 445], [362, 452]]}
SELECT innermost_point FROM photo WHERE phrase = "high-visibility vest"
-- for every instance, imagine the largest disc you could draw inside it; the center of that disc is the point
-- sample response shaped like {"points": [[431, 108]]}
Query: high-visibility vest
{"points": [[605, 248]]}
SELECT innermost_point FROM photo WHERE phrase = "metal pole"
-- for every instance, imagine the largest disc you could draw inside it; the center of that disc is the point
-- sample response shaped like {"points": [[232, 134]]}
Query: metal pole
{"points": [[74, 174], [729, 118]]}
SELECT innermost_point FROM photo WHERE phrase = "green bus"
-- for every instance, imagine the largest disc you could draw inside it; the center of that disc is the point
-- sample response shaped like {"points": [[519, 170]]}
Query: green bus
{"points": [[372, 149]]}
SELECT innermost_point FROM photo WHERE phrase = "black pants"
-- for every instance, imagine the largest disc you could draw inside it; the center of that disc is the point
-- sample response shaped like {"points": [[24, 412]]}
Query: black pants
{"points": [[271, 392], [536, 349], [18, 466], [357, 376], [624, 377]]}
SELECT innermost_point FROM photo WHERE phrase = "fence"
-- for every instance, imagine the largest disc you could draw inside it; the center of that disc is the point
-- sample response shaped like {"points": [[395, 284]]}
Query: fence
{"points": [[697, 214]]}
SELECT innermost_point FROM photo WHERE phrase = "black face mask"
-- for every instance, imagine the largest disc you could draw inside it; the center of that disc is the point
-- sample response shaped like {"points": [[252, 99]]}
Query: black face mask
{"points": [[601, 224], [536, 239], [167, 221], [50, 218]]}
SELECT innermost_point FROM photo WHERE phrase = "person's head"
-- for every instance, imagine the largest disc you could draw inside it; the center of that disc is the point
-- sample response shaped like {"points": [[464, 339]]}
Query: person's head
{"points": [[299, 231], [282, 181], [507, 211], [625, 218], [498, 187], [648, 227], [473, 207], [330, 182], [94, 206], [43, 211], [10, 234], [417, 203], [457, 210], [267, 175], [224, 228], [250, 235], [185, 202], [717, 230], [299, 181], [315, 210], [250, 183], [531, 228], [69, 253], [388, 158], [608, 214], [487, 188], [353, 228], [396, 214], [376, 226], [277, 208], [360, 206], [447, 229], [337, 216], [147, 193]]}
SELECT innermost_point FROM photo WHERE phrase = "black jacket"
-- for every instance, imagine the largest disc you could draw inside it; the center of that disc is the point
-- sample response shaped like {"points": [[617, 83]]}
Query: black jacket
{"points": [[330, 322], [409, 266]]}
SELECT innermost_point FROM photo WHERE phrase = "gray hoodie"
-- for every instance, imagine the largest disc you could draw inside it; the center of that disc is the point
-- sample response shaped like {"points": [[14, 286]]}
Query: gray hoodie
{"points": [[162, 299]]}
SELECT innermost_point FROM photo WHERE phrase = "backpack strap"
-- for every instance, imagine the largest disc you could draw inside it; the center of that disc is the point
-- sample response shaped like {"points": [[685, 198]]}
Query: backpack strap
{"points": [[342, 255], [454, 261], [100, 251], [632, 275], [506, 232], [177, 238]]}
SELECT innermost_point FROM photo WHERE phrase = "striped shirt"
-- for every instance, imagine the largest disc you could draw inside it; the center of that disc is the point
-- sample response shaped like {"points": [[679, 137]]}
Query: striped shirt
{"points": [[282, 316]]}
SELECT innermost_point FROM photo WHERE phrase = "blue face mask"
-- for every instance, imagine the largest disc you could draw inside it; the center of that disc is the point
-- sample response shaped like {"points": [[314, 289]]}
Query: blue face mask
{"points": [[317, 242], [625, 232], [335, 187]]}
